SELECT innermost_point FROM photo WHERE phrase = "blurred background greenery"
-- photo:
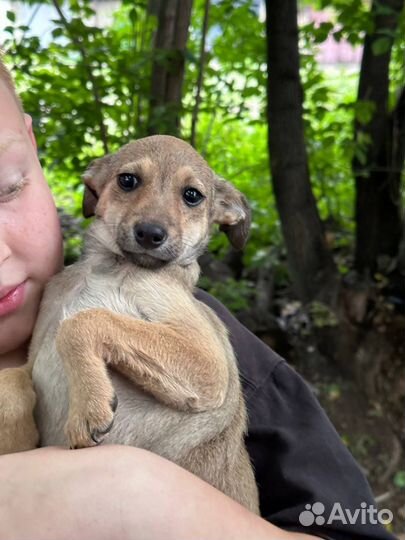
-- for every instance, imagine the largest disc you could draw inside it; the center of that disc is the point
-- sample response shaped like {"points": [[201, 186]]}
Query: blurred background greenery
{"points": [[304, 111]]}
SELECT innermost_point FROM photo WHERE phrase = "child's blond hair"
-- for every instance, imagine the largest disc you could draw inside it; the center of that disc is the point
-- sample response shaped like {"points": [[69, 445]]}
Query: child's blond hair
{"points": [[5, 76]]}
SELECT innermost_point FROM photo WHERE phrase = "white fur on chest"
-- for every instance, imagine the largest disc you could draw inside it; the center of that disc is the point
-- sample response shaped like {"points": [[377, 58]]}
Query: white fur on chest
{"points": [[107, 293]]}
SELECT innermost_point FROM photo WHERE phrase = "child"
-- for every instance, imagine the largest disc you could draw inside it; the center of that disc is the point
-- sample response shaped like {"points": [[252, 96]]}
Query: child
{"points": [[121, 492]]}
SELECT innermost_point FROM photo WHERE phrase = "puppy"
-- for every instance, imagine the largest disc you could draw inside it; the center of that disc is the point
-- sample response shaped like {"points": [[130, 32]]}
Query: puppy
{"points": [[18, 431], [128, 305]]}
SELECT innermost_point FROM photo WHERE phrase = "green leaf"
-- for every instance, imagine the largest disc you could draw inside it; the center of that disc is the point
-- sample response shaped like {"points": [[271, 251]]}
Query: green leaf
{"points": [[10, 16], [57, 32], [381, 45], [399, 479], [322, 32], [364, 110], [133, 15]]}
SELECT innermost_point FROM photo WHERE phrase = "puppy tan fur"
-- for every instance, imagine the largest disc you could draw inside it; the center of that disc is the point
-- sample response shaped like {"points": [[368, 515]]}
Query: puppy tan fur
{"points": [[18, 431], [123, 321]]}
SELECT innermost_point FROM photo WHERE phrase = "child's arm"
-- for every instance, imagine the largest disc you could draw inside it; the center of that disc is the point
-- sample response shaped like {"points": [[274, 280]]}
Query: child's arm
{"points": [[118, 493]]}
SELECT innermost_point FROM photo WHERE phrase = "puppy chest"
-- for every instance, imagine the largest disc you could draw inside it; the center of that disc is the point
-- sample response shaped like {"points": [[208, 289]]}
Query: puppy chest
{"points": [[106, 294]]}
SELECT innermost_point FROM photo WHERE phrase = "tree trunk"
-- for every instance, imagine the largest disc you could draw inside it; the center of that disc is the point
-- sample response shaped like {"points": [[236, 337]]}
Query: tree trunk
{"points": [[168, 66], [399, 126], [391, 163], [378, 224], [311, 264], [200, 78]]}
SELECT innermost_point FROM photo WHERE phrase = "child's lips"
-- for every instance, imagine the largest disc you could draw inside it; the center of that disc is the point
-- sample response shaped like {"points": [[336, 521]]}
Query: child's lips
{"points": [[11, 298]]}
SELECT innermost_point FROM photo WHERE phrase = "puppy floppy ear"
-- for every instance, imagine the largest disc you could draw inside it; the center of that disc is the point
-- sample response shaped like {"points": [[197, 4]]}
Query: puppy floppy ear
{"points": [[95, 178], [232, 212]]}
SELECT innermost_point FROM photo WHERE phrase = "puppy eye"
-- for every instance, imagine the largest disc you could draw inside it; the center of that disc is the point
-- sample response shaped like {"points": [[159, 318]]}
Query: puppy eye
{"points": [[128, 181], [192, 196]]}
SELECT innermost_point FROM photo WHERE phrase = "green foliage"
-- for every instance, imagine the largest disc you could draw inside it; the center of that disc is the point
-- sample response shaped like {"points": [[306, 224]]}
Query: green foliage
{"points": [[399, 479], [86, 80], [329, 115], [397, 65], [236, 295], [321, 315], [352, 18], [87, 87]]}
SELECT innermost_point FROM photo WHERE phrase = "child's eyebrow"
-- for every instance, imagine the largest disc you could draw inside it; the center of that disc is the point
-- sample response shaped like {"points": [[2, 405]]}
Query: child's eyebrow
{"points": [[6, 142]]}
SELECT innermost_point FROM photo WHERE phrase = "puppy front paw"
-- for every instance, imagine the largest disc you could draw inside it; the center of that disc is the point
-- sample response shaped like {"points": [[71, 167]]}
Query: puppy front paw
{"points": [[18, 431], [90, 421]]}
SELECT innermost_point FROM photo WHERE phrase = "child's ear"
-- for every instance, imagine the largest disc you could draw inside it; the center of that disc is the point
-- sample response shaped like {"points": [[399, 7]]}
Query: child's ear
{"points": [[30, 131], [95, 178], [232, 212]]}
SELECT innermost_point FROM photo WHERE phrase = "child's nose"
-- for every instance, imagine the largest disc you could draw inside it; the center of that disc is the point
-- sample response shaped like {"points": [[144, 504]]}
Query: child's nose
{"points": [[5, 251]]}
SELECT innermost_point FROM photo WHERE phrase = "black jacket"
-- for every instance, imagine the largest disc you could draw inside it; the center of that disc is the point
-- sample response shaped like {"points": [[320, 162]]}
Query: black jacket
{"points": [[298, 456]]}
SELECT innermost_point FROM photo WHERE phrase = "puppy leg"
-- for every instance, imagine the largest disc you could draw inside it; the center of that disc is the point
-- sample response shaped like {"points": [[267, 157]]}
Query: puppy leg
{"points": [[182, 367], [18, 431]]}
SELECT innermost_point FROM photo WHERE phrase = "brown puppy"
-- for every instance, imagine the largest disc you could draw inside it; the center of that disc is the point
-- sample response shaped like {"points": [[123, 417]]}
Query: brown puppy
{"points": [[18, 431], [128, 304]]}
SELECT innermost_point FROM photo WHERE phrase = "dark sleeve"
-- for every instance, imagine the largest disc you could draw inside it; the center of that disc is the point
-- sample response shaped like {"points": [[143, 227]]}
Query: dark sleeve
{"points": [[298, 457]]}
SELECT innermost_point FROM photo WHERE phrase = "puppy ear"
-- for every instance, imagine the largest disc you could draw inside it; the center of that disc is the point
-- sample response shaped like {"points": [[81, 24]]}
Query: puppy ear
{"points": [[95, 178], [232, 212]]}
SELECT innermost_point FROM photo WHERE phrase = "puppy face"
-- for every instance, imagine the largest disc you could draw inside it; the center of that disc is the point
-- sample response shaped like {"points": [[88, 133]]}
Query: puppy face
{"points": [[158, 198]]}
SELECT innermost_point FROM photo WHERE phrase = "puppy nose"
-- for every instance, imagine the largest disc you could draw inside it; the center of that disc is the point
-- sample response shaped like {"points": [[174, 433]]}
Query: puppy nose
{"points": [[149, 235]]}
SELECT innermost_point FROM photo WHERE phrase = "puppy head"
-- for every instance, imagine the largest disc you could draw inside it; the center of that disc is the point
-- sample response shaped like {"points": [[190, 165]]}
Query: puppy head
{"points": [[157, 199]]}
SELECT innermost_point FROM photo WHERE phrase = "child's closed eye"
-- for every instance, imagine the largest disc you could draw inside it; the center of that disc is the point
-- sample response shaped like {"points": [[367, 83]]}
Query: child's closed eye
{"points": [[10, 190]]}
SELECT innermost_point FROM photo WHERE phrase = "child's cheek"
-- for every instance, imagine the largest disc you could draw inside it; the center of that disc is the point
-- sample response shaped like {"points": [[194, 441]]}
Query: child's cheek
{"points": [[42, 230]]}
